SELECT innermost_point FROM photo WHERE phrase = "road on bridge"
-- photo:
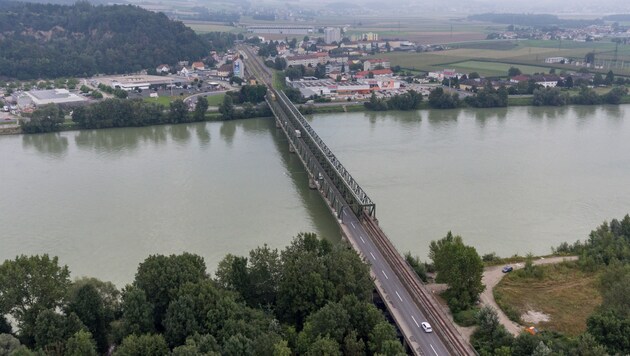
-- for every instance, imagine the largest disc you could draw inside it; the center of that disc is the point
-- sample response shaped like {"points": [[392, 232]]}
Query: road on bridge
{"points": [[400, 303]]}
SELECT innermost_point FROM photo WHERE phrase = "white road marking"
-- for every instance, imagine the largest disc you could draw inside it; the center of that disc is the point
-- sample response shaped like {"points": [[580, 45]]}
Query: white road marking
{"points": [[398, 296], [362, 238], [414, 320], [373, 256], [436, 354], [384, 274], [352, 223]]}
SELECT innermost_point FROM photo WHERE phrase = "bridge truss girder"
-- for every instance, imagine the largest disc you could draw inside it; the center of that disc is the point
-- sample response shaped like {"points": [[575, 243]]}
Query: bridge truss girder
{"points": [[319, 161]]}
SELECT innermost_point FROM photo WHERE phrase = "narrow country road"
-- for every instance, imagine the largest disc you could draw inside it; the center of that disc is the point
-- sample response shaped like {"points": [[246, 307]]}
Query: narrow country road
{"points": [[492, 276]]}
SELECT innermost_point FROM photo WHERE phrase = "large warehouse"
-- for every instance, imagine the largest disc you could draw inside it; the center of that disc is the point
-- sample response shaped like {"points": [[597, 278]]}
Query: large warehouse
{"points": [[53, 96]]}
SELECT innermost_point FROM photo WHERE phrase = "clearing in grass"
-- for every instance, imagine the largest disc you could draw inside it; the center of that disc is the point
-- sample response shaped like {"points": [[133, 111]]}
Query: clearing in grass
{"points": [[561, 300]]}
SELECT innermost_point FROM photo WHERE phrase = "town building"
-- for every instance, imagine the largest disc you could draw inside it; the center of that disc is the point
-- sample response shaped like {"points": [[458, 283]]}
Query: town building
{"points": [[332, 88], [553, 60], [369, 36], [371, 64], [444, 74], [547, 81], [332, 34], [163, 68], [198, 66], [224, 71], [238, 68], [308, 60], [376, 73]]}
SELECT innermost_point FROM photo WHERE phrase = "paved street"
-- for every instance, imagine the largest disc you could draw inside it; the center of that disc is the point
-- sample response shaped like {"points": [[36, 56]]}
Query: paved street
{"points": [[407, 313]]}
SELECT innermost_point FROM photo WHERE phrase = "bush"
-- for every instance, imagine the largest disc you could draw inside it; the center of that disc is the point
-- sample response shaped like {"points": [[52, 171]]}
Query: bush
{"points": [[490, 257], [417, 266], [466, 317]]}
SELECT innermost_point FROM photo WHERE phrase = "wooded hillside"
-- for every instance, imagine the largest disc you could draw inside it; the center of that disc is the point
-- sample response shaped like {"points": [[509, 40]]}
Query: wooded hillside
{"points": [[47, 41]]}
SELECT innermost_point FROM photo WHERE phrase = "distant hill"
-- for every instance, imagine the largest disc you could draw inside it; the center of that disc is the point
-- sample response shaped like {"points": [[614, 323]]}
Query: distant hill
{"points": [[48, 41]]}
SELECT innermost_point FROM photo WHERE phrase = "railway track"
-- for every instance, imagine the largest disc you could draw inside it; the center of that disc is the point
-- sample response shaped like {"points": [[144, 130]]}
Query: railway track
{"points": [[436, 316], [258, 70]]}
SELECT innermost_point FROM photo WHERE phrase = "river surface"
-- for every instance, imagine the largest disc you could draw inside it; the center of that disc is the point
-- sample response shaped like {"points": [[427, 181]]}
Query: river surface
{"points": [[508, 180], [104, 200]]}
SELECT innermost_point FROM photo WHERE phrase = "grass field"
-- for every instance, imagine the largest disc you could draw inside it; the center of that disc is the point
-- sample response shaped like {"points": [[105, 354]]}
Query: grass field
{"points": [[499, 45], [463, 60], [528, 55], [205, 27], [215, 100], [565, 293], [494, 69]]}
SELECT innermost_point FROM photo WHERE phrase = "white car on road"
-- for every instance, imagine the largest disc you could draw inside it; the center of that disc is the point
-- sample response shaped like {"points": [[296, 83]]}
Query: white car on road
{"points": [[426, 327]]}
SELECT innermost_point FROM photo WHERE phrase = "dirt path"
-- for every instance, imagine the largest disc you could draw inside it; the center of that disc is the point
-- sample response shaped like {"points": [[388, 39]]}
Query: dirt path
{"points": [[492, 276]]}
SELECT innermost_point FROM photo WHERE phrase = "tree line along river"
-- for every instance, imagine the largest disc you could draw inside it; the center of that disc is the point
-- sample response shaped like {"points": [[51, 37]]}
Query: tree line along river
{"points": [[510, 180]]}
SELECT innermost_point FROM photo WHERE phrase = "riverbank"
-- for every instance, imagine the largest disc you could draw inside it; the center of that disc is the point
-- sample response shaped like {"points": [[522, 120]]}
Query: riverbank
{"points": [[351, 107], [314, 109], [72, 126]]}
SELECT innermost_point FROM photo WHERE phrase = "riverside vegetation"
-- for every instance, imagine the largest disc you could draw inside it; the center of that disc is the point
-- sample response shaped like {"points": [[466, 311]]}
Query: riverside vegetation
{"points": [[120, 112], [264, 304], [606, 253]]}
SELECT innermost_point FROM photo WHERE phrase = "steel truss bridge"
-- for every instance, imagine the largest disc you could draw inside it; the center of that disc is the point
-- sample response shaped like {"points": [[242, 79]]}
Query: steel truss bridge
{"points": [[407, 299]]}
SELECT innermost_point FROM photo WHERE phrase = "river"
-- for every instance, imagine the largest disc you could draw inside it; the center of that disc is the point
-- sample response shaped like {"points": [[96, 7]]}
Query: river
{"points": [[508, 180]]}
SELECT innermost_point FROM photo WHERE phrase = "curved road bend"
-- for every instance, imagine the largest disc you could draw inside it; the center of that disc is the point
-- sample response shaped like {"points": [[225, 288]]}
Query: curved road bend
{"points": [[493, 275], [400, 303]]}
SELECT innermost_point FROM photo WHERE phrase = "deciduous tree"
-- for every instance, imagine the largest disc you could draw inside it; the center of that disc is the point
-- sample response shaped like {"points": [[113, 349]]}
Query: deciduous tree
{"points": [[460, 267], [161, 276], [143, 345], [201, 108], [81, 344], [29, 285]]}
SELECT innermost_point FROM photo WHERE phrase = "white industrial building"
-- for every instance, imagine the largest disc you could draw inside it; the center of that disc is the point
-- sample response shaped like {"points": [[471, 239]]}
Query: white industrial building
{"points": [[144, 82], [44, 97], [331, 88]]}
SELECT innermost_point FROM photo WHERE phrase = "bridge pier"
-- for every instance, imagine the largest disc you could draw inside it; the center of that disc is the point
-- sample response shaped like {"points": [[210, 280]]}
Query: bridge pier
{"points": [[312, 184], [278, 125]]}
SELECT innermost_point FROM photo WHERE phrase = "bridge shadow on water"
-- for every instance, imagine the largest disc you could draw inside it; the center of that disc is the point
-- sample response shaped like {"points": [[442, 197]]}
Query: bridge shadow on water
{"points": [[317, 210]]}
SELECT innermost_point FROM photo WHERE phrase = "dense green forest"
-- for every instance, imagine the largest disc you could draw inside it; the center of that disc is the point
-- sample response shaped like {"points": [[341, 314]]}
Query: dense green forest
{"points": [[312, 298], [50, 41]]}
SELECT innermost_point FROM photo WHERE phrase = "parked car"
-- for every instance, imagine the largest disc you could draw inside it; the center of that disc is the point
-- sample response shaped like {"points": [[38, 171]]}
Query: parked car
{"points": [[507, 269], [426, 327]]}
